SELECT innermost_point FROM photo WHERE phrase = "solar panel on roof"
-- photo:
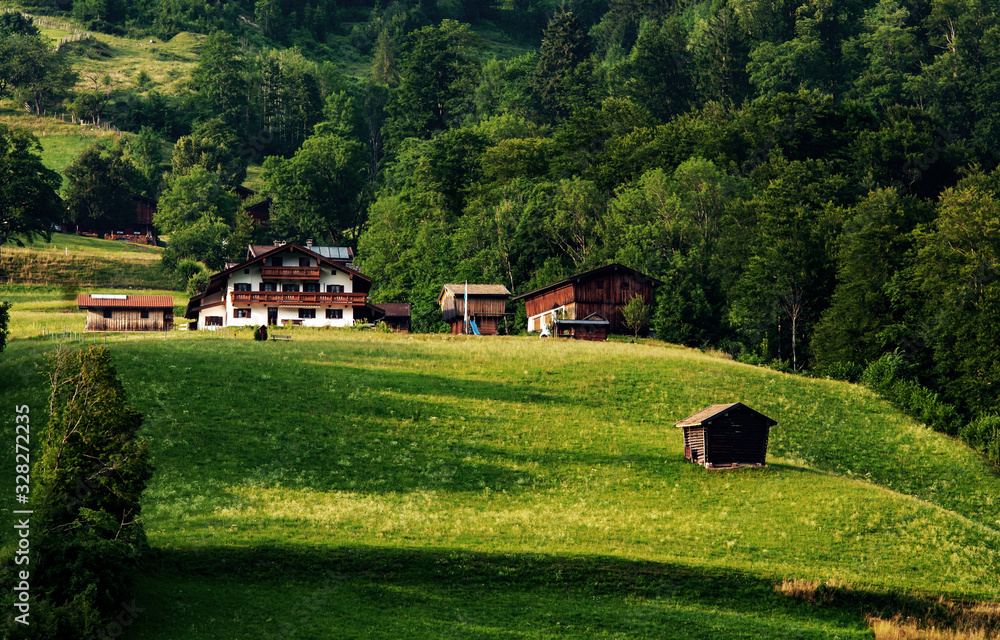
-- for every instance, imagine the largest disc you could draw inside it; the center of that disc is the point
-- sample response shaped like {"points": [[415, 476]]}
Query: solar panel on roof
{"points": [[108, 296], [333, 253]]}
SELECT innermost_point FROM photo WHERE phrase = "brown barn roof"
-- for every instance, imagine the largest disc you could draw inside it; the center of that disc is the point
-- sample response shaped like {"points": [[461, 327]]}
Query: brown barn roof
{"points": [[86, 300], [394, 309], [477, 289], [614, 266], [714, 410]]}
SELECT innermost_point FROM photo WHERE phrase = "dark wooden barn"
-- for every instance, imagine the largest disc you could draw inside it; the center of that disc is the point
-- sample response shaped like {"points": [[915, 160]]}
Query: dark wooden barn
{"points": [[107, 312], [605, 291], [594, 327], [487, 306], [723, 436], [397, 315]]}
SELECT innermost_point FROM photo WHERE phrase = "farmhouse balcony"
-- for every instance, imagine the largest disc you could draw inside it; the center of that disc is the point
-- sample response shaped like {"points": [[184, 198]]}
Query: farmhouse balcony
{"points": [[297, 297], [289, 273]]}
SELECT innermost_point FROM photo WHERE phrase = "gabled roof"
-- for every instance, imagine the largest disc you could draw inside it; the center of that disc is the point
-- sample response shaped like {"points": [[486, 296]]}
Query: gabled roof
{"points": [[476, 289], [586, 275], [718, 410], [105, 300], [394, 309], [341, 254]]}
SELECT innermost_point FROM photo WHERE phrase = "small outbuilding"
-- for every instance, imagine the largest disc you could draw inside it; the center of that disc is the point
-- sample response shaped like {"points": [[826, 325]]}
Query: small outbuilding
{"points": [[723, 436], [487, 307], [594, 327], [397, 315], [112, 312]]}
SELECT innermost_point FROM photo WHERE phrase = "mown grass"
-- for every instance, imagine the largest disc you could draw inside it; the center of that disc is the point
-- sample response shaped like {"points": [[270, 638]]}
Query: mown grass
{"points": [[352, 484], [76, 260]]}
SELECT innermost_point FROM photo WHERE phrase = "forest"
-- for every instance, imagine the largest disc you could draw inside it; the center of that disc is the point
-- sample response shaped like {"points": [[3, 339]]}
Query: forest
{"points": [[814, 182]]}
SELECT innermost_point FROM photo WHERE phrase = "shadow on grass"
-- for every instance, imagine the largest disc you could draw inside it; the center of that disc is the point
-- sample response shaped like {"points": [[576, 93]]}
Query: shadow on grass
{"points": [[402, 593]]}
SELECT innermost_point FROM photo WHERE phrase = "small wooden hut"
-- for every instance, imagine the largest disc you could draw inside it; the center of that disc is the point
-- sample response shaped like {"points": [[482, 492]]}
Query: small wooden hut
{"points": [[110, 312], [723, 436], [594, 327], [397, 315], [487, 306]]}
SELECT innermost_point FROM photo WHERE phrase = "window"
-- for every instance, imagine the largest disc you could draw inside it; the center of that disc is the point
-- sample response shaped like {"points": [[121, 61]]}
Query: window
{"points": [[246, 271], [241, 313], [303, 262], [107, 313], [307, 314], [335, 288], [289, 287], [241, 286], [277, 262], [213, 321], [268, 286], [311, 287], [624, 285], [144, 315], [335, 314]]}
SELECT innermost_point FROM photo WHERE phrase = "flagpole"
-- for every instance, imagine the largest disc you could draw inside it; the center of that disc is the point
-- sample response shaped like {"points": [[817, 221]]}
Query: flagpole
{"points": [[466, 305]]}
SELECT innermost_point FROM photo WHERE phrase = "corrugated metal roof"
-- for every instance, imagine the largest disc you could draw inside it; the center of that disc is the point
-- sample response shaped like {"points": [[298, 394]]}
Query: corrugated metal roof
{"points": [[478, 289], [86, 300]]}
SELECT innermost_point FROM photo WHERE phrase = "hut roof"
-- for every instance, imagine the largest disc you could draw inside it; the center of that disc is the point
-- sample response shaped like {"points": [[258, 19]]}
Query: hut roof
{"points": [[394, 309], [716, 410], [476, 289], [586, 275], [105, 300]]}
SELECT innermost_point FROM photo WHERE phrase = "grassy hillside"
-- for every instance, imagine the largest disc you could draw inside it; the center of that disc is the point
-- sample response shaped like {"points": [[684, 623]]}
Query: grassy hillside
{"points": [[359, 485], [71, 260]]}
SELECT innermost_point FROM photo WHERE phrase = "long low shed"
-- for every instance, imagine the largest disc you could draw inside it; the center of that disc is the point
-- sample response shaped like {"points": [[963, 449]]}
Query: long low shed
{"points": [[113, 312], [726, 436]]}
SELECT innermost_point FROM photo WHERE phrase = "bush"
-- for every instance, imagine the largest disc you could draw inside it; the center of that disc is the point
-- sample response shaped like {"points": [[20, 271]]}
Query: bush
{"points": [[184, 270], [260, 333], [91, 470], [884, 376], [983, 434], [198, 283], [842, 371]]}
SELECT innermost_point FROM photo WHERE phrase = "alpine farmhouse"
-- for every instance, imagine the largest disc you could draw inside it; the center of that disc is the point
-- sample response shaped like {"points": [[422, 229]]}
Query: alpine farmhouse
{"points": [[285, 284]]}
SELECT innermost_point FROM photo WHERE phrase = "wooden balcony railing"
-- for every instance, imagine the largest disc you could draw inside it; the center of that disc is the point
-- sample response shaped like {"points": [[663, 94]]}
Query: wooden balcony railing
{"points": [[297, 297], [289, 273]]}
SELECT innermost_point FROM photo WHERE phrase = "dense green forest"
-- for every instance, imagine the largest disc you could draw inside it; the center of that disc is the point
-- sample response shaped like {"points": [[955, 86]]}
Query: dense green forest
{"points": [[814, 182]]}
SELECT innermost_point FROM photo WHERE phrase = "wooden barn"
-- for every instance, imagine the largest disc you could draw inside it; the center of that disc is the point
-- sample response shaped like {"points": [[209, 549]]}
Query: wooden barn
{"points": [[605, 291], [397, 315], [109, 312], [593, 327], [487, 307], [723, 436]]}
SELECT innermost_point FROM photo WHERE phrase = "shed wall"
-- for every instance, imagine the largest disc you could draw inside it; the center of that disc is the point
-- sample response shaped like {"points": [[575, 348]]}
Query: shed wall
{"points": [[129, 320]]}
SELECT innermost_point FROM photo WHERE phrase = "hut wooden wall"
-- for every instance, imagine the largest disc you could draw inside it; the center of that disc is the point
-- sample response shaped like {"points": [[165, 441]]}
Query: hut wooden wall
{"points": [[129, 320], [729, 445], [603, 294], [488, 326], [694, 444], [453, 306], [550, 300]]}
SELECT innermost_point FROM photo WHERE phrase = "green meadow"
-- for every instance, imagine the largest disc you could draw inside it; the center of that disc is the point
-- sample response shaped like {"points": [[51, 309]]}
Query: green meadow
{"points": [[353, 484]]}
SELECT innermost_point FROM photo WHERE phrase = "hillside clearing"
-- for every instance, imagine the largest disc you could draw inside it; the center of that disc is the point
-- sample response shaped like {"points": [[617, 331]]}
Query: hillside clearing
{"points": [[428, 486]]}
